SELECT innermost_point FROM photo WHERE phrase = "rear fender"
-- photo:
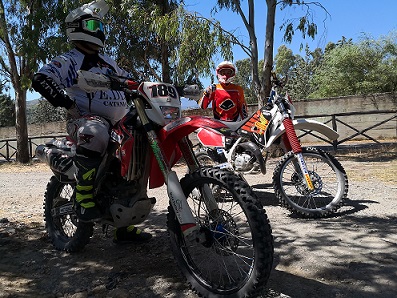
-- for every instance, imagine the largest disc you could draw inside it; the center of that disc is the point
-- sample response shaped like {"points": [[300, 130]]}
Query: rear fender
{"points": [[305, 124], [172, 133]]}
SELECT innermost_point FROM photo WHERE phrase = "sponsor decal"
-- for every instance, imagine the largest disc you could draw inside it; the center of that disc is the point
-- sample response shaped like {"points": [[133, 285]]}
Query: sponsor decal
{"points": [[57, 63], [227, 104], [305, 172], [262, 124]]}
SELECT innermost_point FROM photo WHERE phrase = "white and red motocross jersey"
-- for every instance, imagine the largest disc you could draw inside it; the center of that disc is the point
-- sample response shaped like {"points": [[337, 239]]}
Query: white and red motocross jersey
{"points": [[108, 104]]}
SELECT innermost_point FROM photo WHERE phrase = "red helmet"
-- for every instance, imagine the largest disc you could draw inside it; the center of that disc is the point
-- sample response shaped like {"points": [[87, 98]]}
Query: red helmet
{"points": [[225, 72]]}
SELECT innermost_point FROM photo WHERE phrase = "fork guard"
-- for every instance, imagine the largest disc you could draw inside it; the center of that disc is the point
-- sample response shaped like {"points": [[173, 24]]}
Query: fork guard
{"points": [[305, 124]]}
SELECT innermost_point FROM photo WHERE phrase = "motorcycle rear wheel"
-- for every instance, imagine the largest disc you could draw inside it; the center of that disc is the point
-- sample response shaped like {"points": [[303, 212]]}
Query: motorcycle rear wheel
{"points": [[64, 229], [236, 257], [329, 179], [205, 160]]}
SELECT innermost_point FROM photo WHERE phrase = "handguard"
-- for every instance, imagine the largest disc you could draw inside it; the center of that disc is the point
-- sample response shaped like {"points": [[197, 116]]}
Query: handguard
{"points": [[91, 82]]}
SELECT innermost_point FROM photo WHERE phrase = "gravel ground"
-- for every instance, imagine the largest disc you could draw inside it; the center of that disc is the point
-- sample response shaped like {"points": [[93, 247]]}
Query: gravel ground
{"points": [[352, 254]]}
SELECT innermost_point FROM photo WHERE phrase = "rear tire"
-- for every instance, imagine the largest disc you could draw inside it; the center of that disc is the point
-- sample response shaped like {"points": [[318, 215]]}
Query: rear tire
{"points": [[236, 257], [205, 160], [329, 179], [66, 232]]}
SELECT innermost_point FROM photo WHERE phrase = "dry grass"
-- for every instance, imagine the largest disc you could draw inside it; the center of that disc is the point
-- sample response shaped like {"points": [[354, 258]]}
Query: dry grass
{"points": [[371, 163], [362, 163], [14, 167]]}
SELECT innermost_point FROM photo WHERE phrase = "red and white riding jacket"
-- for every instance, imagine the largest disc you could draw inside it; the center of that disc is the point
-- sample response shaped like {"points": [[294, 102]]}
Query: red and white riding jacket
{"points": [[228, 102]]}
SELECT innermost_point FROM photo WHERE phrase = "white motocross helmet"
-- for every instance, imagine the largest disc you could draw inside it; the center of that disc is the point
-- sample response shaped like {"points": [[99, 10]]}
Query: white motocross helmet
{"points": [[85, 23], [225, 72]]}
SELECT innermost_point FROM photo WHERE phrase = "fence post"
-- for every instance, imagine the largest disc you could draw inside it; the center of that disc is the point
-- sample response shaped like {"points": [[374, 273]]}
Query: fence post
{"points": [[7, 152], [334, 127], [30, 148]]}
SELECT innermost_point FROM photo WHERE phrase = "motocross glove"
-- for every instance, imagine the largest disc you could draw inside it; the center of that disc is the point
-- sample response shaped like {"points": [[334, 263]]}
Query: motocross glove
{"points": [[50, 90], [74, 111]]}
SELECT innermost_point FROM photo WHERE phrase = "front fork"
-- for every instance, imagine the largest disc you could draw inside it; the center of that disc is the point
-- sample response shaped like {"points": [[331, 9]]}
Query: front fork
{"points": [[175, 192], [193, 165], [291, 142]]}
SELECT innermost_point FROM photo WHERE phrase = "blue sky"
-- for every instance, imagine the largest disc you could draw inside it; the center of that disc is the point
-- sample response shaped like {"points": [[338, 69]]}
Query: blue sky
{"points": [[349, 18]]}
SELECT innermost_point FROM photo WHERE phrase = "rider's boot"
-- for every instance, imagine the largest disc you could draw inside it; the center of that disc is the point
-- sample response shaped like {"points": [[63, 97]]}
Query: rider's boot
{"points": [[86, 170], [130, 234]]}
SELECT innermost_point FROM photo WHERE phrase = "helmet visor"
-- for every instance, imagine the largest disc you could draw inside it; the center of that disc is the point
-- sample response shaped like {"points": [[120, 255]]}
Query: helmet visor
{"points": [[93, 25]]}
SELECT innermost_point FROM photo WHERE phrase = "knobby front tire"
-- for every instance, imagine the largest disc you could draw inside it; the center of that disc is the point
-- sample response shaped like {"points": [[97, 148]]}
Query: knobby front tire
{"points": [[236, 257], [329, 180]]}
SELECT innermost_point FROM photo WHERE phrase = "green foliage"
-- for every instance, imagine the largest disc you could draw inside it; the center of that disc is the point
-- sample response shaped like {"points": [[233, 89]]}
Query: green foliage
{"points": [[304, 24], [44, 112], [344, 68], [161, 39], [284, 61], [34, 31], [244, 79], [369, 66], [7, 111]]}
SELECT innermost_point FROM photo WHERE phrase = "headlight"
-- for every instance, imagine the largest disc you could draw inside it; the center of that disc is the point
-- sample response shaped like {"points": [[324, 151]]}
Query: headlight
{"points": [[170, 113]]}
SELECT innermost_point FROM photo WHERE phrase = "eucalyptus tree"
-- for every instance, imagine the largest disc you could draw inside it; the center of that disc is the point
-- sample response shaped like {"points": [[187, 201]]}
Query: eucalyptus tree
{"points": [[304, 24], [164, 41], [29, 32]]}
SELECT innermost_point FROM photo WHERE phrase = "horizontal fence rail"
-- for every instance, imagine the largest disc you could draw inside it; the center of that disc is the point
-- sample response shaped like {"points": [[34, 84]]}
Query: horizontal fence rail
{"points": [[8, 147], [335, 119]]}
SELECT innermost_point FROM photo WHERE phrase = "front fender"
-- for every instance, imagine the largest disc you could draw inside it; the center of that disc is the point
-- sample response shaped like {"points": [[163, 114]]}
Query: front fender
{"points": [[305, 124], [184, 126], [172, 133]]}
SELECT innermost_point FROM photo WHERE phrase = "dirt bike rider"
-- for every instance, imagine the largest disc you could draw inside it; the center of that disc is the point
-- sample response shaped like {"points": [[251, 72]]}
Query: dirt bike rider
{"points": [[91, 114], [228, 102]]}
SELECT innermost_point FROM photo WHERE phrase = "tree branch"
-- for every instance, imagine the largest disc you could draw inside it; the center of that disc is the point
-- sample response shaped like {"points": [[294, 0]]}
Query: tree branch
{"points": [[232, 38]]}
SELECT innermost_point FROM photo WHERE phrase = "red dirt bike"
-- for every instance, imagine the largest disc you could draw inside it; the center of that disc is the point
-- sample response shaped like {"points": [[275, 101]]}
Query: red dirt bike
{"points": [[222, 241], [307, 181]]}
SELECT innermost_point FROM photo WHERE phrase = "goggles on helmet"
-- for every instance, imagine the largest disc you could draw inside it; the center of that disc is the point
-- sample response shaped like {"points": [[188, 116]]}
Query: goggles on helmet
{"points": [[93, 25], [226, 71]]}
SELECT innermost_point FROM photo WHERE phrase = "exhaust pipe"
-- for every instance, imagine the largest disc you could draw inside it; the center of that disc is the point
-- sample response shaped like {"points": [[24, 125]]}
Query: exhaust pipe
{"points": [[59, 160]]}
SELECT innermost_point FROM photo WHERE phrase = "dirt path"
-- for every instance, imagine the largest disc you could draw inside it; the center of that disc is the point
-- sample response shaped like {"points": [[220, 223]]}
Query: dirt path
{"points": [[353, 254]]}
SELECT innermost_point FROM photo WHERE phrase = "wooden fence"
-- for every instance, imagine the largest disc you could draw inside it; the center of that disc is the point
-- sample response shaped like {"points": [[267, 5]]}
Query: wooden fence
{"points": [[8, 147]]}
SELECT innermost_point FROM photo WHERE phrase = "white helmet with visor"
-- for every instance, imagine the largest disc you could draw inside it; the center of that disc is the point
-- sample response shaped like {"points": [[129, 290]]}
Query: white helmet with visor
{"points": [[85, 23], [225, 72]]}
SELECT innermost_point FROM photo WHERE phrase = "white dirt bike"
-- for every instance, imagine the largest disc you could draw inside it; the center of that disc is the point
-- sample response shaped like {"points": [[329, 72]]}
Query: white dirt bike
{"points": [[308, 181]]}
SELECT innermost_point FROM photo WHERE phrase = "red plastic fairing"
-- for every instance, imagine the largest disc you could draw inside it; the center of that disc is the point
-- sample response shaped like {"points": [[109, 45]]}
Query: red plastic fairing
{"points": [[175, 131], [209, 138]]}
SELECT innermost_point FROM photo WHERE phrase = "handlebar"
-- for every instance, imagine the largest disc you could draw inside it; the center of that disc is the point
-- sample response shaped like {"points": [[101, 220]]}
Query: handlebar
{"points": [[91, 82]]}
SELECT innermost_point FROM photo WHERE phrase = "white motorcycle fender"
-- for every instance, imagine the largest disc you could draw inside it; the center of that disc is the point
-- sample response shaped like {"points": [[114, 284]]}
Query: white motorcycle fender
{"points": [[305, 124]]}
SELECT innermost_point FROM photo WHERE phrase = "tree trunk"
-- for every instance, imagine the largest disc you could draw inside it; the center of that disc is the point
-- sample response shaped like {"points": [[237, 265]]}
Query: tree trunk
{"points": [[166, 77], [21, 127], [254, 52], [269, 40]]}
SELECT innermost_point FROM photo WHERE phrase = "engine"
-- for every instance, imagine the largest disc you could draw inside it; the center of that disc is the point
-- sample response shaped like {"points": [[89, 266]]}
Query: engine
{"points": [[244, 162]]}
